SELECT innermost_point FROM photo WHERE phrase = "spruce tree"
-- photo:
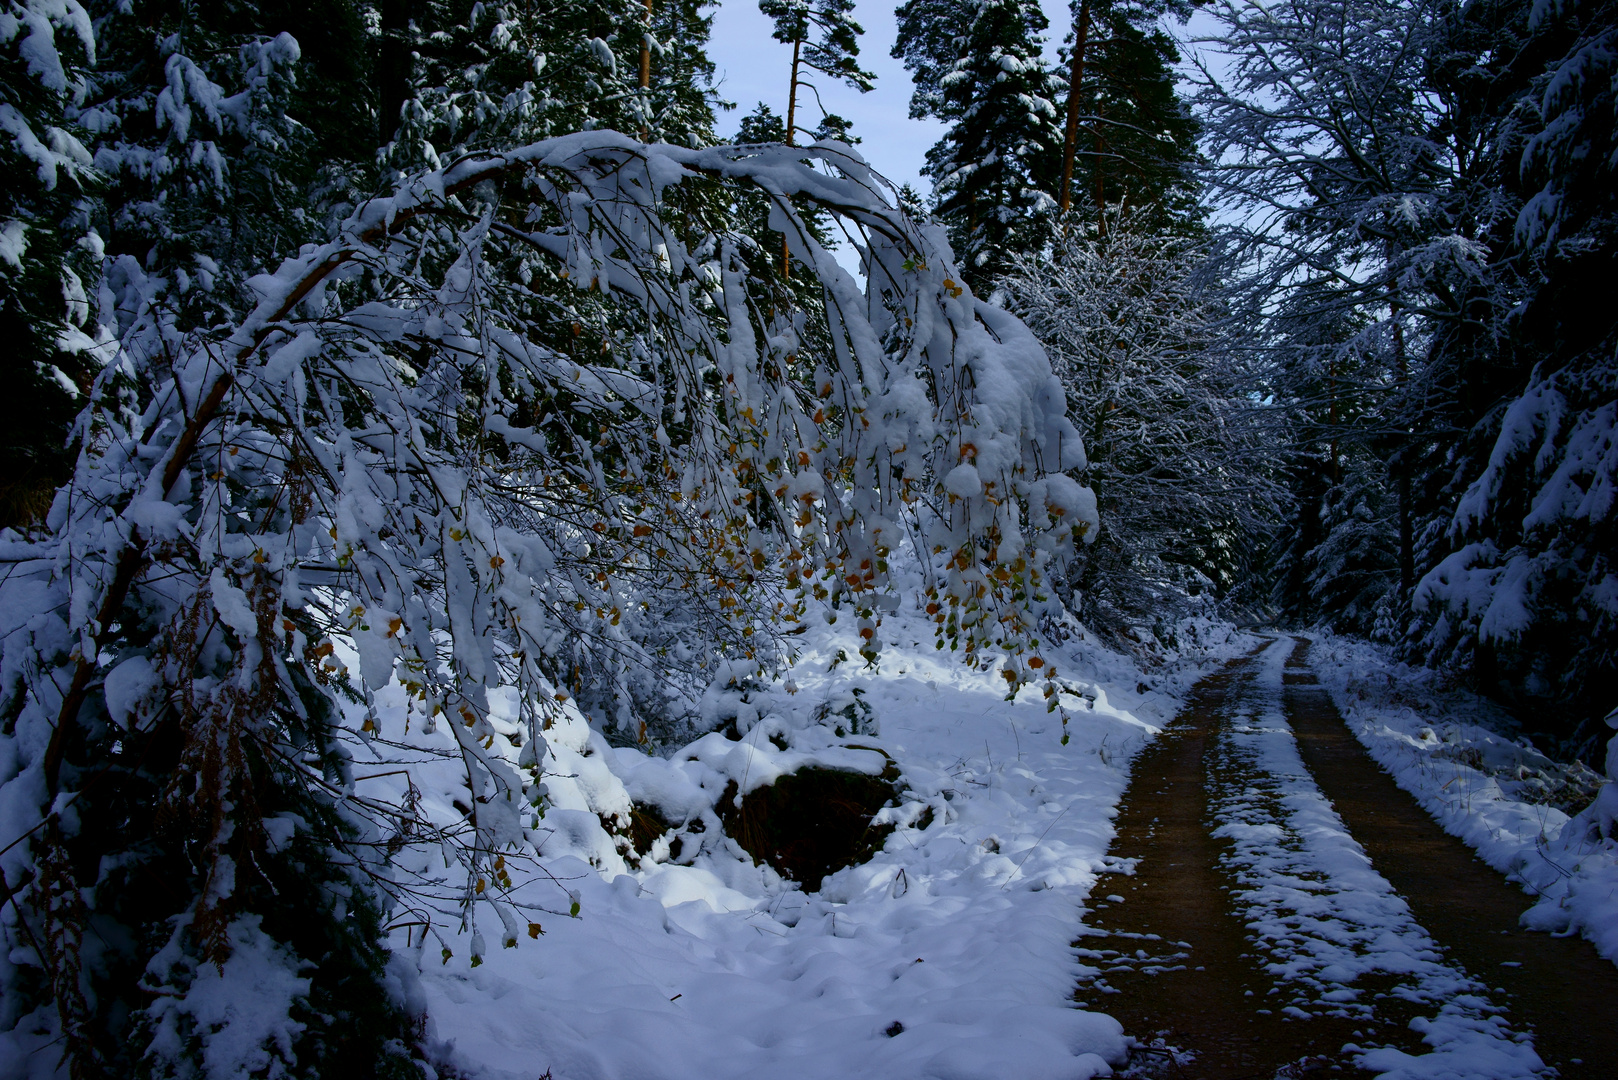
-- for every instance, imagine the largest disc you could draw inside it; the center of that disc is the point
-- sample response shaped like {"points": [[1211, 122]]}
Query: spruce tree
{"points": [[1427, 197], [1345, 217], [209, 173], [1521, 598], [977, 66]]}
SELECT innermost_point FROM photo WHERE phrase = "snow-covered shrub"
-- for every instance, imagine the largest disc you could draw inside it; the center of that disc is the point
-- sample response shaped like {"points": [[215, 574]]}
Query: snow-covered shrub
{"points": [[1178, 455], [1576, 874], [453, 458]]}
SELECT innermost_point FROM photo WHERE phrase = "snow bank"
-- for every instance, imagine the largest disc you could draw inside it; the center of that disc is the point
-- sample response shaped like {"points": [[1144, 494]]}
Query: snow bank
{"points": [[948, 956], [1508, 801]]}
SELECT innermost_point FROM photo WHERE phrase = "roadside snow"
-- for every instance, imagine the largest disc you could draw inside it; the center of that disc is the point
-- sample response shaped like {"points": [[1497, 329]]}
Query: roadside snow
{"points": [[1500, 795], [947, 956], [1325, 917]]}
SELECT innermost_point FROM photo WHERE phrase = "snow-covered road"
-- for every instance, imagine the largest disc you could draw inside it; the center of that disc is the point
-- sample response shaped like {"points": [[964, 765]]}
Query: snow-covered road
{"points": [[950, 955], [1327, 921]]}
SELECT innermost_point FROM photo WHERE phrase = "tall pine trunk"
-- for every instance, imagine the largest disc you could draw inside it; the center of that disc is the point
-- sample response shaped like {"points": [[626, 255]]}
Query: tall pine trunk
{"points": [[792, 120], [1401, 468], [392, 66], [645, 70], [1070, 143]]}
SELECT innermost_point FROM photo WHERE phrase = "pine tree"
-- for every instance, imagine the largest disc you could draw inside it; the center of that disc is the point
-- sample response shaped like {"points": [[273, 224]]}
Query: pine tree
{"points": [[825, 39], [1121, 102], [977, 66]]}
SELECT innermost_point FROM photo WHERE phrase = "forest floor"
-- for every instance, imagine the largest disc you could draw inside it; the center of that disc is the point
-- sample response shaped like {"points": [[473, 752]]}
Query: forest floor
{"points": [[1292, 913], [1192, 868]]}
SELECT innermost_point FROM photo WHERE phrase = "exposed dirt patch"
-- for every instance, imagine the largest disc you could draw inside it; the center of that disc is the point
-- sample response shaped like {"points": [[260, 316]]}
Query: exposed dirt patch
{"points": [[812, 822], [1178, 967], [646, 825], [1560, 988]]}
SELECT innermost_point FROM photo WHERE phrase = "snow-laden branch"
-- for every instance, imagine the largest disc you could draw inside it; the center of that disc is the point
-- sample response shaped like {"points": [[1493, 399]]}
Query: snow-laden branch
{"points": [[515, 417]]}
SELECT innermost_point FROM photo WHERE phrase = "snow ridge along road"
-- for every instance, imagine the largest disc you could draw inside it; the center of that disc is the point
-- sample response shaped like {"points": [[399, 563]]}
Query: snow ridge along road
{"points": [[1258, 935]]}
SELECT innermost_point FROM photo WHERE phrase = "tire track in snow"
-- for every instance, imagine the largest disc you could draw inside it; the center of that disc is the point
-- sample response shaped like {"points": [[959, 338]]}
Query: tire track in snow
{"points": [[1330, 971], [1168, 957], [1560, 988]]}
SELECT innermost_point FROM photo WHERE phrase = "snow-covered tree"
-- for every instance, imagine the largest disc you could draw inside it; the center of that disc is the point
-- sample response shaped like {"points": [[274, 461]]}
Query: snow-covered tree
{"points": [[45, 48], [456, 450], [1179, 454], [1425, 198], [1352, 565], [977, 66], [1327, 373], [1344, 168], [1528, 593], [495, 75], [206, 174]]}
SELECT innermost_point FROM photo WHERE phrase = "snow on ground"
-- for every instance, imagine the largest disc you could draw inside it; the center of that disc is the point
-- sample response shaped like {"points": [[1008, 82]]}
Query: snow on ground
{"points": [[1499, 794], [1323, 913], [947, 956]]}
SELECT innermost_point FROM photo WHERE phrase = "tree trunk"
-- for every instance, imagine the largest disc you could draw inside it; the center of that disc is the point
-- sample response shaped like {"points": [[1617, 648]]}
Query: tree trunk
{"points": [[792, 120], [1095, 173], [645, 69], [392, 66], [1070, 143], [1407, 545]]}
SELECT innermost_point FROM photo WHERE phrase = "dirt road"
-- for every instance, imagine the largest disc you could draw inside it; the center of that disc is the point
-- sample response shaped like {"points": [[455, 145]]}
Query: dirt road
{"points": [[1247, 945]]}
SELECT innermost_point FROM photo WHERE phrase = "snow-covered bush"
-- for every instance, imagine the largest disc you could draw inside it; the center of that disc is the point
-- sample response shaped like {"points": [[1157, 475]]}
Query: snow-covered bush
{"points": [[1180, 458], [513, 411]]}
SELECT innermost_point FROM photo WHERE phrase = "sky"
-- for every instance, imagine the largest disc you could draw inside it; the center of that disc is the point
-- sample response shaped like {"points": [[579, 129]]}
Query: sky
{"points": [[753, 67]]}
